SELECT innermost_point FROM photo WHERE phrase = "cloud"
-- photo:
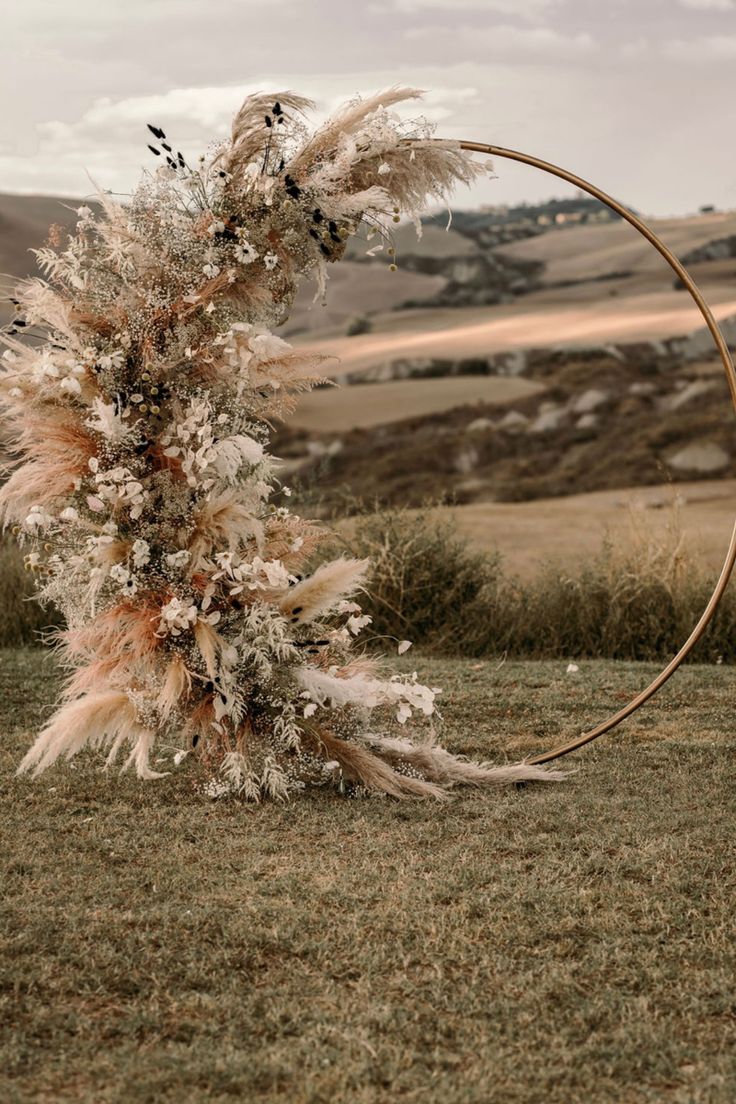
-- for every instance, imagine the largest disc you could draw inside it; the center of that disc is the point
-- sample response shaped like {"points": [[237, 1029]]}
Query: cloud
{"points": [[107, 143], [709, 5], [524, 9], [711, 48], [504, 41]]}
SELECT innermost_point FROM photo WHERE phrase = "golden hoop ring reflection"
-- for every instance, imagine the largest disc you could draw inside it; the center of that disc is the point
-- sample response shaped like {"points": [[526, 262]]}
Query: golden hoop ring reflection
{"points": [[728, 366]]}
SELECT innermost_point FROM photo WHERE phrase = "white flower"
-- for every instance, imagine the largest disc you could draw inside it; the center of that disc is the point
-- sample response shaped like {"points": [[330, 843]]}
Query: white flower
{"points": [[112, 360], [211, 270], [95, 503], [310, 709], [356, 623], [403, 713], [120, 574], [176, 616], [177, 559], [270, 261], [71, 385], [383, 169], [268, 346], [141, 553], [572, 668], [69, 514], [84, 212], [216, 789], [215, 227], [15, 393], [404, 646], [245, 253]]}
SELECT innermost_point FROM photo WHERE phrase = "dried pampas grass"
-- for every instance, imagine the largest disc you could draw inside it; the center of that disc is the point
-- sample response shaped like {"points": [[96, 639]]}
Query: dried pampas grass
{"points": [[106, 718], [318, 595], [145, 487]]}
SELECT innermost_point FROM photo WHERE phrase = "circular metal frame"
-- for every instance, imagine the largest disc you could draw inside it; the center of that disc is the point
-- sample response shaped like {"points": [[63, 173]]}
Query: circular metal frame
{"points": [[728, 366]]}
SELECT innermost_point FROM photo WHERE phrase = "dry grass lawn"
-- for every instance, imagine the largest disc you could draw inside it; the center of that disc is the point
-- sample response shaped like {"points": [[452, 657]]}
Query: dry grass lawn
{"points": [[567, 317], [334, 410], [561, 945], [571, 529], [589, 252]]}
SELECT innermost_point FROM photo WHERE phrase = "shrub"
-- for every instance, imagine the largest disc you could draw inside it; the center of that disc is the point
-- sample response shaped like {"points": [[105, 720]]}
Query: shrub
{"points": [[360, 324], [22, 619], [426, 584], [637, 599]]}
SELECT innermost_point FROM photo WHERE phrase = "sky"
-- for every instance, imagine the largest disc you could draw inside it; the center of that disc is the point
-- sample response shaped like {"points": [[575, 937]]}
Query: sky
{"points": [[637, 96]]}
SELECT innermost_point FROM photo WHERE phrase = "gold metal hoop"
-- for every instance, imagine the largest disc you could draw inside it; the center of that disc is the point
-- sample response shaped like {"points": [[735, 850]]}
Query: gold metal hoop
{"points": [[728, 366]]}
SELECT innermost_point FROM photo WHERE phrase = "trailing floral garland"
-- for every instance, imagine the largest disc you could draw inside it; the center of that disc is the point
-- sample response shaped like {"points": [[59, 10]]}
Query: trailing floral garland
{"points": [[144, 488]]}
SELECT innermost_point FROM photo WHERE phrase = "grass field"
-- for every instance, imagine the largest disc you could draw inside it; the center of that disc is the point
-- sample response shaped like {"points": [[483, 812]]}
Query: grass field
{"points": [[568, 317], [589, 252], [570, 529], [570, 944], [334, 410]]}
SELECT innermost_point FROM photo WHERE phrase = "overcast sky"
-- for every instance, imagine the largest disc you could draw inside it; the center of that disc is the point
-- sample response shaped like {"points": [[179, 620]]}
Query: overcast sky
{"points": [[636, 95]]}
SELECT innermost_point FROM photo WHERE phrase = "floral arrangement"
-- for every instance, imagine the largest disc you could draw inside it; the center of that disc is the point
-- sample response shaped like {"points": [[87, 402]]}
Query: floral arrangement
{"points": [[139, 382]]}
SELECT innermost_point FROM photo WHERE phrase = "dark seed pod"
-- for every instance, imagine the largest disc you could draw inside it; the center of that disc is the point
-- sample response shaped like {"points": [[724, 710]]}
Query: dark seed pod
{"points": [[167, 147], [195, 739], [326, 252], [156, 131], [154, 150], [313, 233], [318, 216], [277, 108], [268, 120]]}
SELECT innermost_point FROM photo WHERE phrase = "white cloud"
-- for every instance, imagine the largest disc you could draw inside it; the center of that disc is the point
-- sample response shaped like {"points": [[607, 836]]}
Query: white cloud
{"points": [[708, 5], [525, 9], [711, 48], [107, 144], [635, 50], [576, 110], [505, 40]]}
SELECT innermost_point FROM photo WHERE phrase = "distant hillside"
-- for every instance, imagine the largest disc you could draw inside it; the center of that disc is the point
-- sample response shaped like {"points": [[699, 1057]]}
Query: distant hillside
{"points": [[24, 224]]}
